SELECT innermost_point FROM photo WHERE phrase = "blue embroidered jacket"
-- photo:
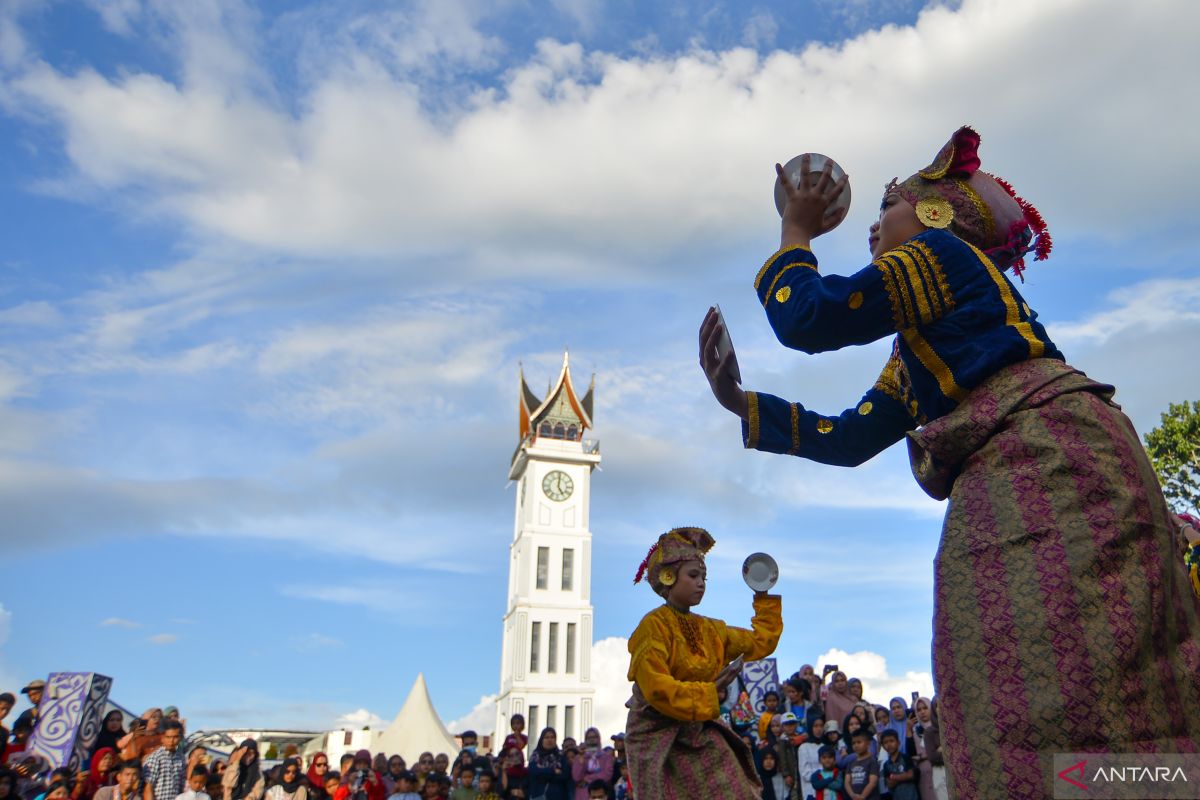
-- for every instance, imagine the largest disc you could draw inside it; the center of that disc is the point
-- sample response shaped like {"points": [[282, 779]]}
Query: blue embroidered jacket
{"points": [[958, 321]]}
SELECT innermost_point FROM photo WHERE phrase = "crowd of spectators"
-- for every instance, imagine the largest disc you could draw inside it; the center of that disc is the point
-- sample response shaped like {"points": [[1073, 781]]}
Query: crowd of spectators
{"points": [[811, 740]]}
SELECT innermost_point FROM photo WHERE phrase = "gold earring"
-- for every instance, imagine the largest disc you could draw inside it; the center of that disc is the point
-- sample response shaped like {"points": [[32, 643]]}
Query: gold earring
{"points": [[935, 212]]}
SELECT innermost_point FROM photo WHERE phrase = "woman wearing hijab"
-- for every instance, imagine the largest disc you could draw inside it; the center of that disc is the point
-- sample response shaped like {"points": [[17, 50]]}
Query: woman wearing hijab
{"points": [[808, 673], [839, 702], [932, 763], [898, 721], [101, 771], [396, 767], [850, 725], [243, 779], [112, 730], [291, 783], [774, 786], [317, 771], [549, 772], [856, 688]]}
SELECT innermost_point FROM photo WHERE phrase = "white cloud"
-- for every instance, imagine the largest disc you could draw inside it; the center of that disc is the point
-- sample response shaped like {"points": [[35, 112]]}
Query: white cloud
{"points": [[118, 15], [610, 665], [359, 719], [119, 622], [364, 168], [879, 685], [163, 638], [1150, 306], [481, 719]]}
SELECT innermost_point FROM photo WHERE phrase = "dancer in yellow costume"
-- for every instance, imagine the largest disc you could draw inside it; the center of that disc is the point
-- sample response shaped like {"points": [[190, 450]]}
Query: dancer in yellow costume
{"points": [[675, 745]]}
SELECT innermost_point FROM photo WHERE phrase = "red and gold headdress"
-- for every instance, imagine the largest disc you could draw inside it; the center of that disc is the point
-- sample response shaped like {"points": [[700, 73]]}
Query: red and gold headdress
{"points": [[982, 209], [673, 548]]}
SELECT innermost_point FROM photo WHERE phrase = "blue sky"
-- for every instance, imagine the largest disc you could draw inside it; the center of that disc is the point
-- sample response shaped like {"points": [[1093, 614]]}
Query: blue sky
{"points": [[269, 269]]}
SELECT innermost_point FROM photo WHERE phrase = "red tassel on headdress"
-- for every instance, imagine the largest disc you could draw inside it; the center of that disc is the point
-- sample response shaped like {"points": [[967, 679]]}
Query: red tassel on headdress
{"points": [[645, 563], [1043, 244]]}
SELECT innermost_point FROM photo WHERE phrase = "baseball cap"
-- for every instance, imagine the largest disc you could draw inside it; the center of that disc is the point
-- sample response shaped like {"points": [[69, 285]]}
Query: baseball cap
{"points": [[788, 717], [34, 685]]}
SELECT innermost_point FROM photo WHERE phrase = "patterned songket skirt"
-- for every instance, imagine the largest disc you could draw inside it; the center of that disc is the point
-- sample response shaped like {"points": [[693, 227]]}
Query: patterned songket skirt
{"points": [[1063, 619], [674, 760]]}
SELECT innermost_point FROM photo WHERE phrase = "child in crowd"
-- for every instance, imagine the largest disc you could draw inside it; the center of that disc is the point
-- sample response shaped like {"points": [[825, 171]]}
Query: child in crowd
{"points": [[597, 790], [862, 775], [678, 662], [833, 737], [516, 740], [486, 785], [789, 764], [770, 703], [465, 790], [196, 784], [333, 780], [808, 756], [406, 787], [621, 788], [898, 774], [828, 782]]}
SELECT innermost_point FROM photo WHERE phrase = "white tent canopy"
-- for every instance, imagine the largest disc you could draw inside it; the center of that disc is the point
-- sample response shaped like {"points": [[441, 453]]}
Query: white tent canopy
{"points": [[416, 729]]}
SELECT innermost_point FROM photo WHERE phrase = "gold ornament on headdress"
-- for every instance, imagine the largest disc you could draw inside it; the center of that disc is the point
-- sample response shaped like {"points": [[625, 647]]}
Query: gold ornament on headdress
{"points": [[666, 576], [935, 212]]}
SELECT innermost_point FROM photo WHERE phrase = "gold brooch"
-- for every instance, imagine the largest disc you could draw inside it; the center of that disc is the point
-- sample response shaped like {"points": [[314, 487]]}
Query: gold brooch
{"points": [[666, 576], [856, 301], [935, 212], [866, 407], [824, 426], [783, 294]]}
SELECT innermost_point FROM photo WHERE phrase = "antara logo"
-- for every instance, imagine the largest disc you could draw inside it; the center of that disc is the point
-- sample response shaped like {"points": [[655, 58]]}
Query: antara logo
{"points": [[1136, 774], [1076, 768]]}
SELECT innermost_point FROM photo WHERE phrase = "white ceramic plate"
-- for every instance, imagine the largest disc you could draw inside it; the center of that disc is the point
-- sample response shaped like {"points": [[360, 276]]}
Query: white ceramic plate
{"points": [[815, 165], [760, 572]]}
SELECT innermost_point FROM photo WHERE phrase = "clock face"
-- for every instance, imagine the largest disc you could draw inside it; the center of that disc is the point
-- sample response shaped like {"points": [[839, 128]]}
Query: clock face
{"points": [[558, 485]]}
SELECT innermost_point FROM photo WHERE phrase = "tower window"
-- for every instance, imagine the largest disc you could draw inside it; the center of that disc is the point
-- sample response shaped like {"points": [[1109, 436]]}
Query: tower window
{"points": [[568, 569], [569, 721], [533, 723], [552, 649], [552, 717], [544, 429], [535, 641], [543, 567], [572, 432], [560, 432], [570, 647]]}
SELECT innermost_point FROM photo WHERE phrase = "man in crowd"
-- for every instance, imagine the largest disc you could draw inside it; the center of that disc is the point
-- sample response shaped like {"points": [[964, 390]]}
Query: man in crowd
{"points": [[165, 770], [34, 691], [129, 777]]}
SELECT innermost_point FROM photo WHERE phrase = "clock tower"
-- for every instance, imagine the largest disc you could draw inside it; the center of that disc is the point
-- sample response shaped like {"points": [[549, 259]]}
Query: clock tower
{"points": [[546, 670]]}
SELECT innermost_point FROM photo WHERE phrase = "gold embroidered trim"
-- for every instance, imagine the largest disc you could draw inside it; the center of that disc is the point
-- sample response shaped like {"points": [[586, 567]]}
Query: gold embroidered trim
{"points": [[934, 266], [779, 275], [866, 407], [690, 631], [752, 423], [795, 430], [783, 294], [856, 300], [888, 381], [758, 278], [981, 207], [824, 426], [893, 293], [933, 362], [918, 287], [1012, 314]]}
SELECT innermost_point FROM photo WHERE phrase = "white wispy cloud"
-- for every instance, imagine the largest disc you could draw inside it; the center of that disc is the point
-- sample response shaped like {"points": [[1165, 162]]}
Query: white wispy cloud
{"points": [[163, 638], [119, 622], [365, 169]]}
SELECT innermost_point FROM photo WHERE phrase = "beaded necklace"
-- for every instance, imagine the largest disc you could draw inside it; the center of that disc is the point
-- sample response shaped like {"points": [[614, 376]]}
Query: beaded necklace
{"points": [[689, 629]]}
